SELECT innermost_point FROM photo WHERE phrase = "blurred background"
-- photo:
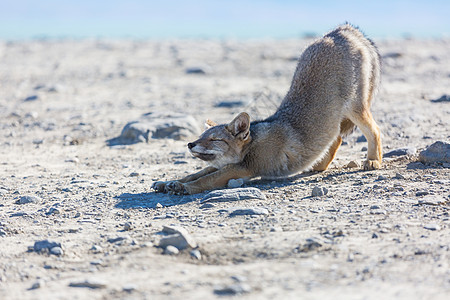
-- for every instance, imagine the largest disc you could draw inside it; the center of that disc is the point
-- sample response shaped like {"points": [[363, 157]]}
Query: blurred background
{"points": [[25, 19]]}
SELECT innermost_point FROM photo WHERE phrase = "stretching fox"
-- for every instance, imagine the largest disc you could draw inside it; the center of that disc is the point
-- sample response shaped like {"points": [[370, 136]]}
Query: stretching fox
{"points": [[331, 92]]}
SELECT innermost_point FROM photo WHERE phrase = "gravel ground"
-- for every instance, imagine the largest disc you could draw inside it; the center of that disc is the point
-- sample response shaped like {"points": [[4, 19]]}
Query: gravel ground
{"points": [[364, 235]]}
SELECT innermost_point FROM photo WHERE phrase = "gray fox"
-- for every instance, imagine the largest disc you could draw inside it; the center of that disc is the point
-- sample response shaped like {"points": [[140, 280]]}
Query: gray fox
{"points": [[331, 93]]}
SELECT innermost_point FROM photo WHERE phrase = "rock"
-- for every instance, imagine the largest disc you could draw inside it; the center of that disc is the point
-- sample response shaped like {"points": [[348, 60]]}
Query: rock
{"points": [[2, 232], [134, 174], [56, 251], [398, 176], [89, 283], [28, 199], [361, 139], [234, 195], [443, 98], [129, 288], [436, 152], [118, 239], [96, 249], [432, 200], [432, 226], [31, 98], [319, 191], [207, 205], [381, 177], [401, 151], [38, 284], [171, 250], [178, 237], [53, 211], [127, 226], [353, 164], [235, 183], [198, 70], [250, 211], [310, 245], [175, 126], [230, 104], [46, 246], [233, 289], [196, 254], [421, 193]]}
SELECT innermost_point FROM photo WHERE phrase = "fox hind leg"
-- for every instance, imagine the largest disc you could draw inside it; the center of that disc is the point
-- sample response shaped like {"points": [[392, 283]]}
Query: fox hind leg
{"points": [[328, 158], [370, 129]]}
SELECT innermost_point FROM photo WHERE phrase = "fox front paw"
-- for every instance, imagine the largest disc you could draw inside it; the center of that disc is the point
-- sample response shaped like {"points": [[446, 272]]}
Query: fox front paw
{"points": [[371, 165], [159, 186], [176, 188]]}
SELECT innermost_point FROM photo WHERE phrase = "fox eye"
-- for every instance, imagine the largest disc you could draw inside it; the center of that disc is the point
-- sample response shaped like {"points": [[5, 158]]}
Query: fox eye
{"points": [[215, 140]]}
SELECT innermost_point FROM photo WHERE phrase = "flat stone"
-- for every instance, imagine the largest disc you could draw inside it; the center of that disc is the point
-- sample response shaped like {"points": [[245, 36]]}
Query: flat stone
{"points": [[45, 245], [178, 237], [233, 195], [31, 98], [432, 226], [28, 199], [239, 211], [230, 103], [117, 239], [175, 126], [436, 152], [361, 139], [400, 152], [233, 289], [443, 98], [89, 283], [432, 200]]}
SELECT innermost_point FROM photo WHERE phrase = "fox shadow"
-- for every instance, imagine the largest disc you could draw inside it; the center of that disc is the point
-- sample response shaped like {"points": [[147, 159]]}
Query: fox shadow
{"points": [[151, 200]]}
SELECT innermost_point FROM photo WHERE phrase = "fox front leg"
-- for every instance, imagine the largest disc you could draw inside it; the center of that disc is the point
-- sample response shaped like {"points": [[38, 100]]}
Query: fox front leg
{"points": [[168, 186]]}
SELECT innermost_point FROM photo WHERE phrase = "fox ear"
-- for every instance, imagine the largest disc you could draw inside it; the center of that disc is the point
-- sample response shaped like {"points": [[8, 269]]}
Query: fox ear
{"points": [[209, 124], [240, 126]]}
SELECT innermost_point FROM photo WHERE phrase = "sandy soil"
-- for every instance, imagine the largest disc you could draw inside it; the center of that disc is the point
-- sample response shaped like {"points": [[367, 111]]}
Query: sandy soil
{"points": [[375, 235]]}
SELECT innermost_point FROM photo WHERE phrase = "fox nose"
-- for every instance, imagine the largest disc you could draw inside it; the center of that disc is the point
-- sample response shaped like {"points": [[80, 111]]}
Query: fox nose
{"points": [[191, 145]]}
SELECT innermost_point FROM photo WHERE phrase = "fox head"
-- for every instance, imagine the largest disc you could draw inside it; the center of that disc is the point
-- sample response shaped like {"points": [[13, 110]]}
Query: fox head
{"points": [[221, 145]]}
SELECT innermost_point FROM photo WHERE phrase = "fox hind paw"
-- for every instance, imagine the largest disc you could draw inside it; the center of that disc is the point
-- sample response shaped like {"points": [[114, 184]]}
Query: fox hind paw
{"points": [[371, 165]]}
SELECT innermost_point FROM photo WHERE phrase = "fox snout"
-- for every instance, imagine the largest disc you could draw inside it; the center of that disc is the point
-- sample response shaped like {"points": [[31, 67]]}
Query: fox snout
{"points": [[191, 145]]}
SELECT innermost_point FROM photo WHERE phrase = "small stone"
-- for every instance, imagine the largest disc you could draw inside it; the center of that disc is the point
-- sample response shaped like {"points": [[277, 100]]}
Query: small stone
{"points": [[443, 98], [158, 205], [56, 251], [134, 174], [178, 237], [319, 191], [381, 177], [353, 164], [238, 211], [310, 245], [118, 239], [234, 289], [401, 151], [98, 262], [31, 98], [2, 232], [207, 205], [436, 152], [374, 207], [230, 103], [432, 200], [129, 288], [374, 235], [171, 250], [89, 283], [38, 284], [198, 70], [28, 199], [421, 193], [127, 226], [234, 195], [432, 226], [364, 148], [235, 183], [53, 211], [196, 254], [398, 176], [74, 160], [361, 139]]}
